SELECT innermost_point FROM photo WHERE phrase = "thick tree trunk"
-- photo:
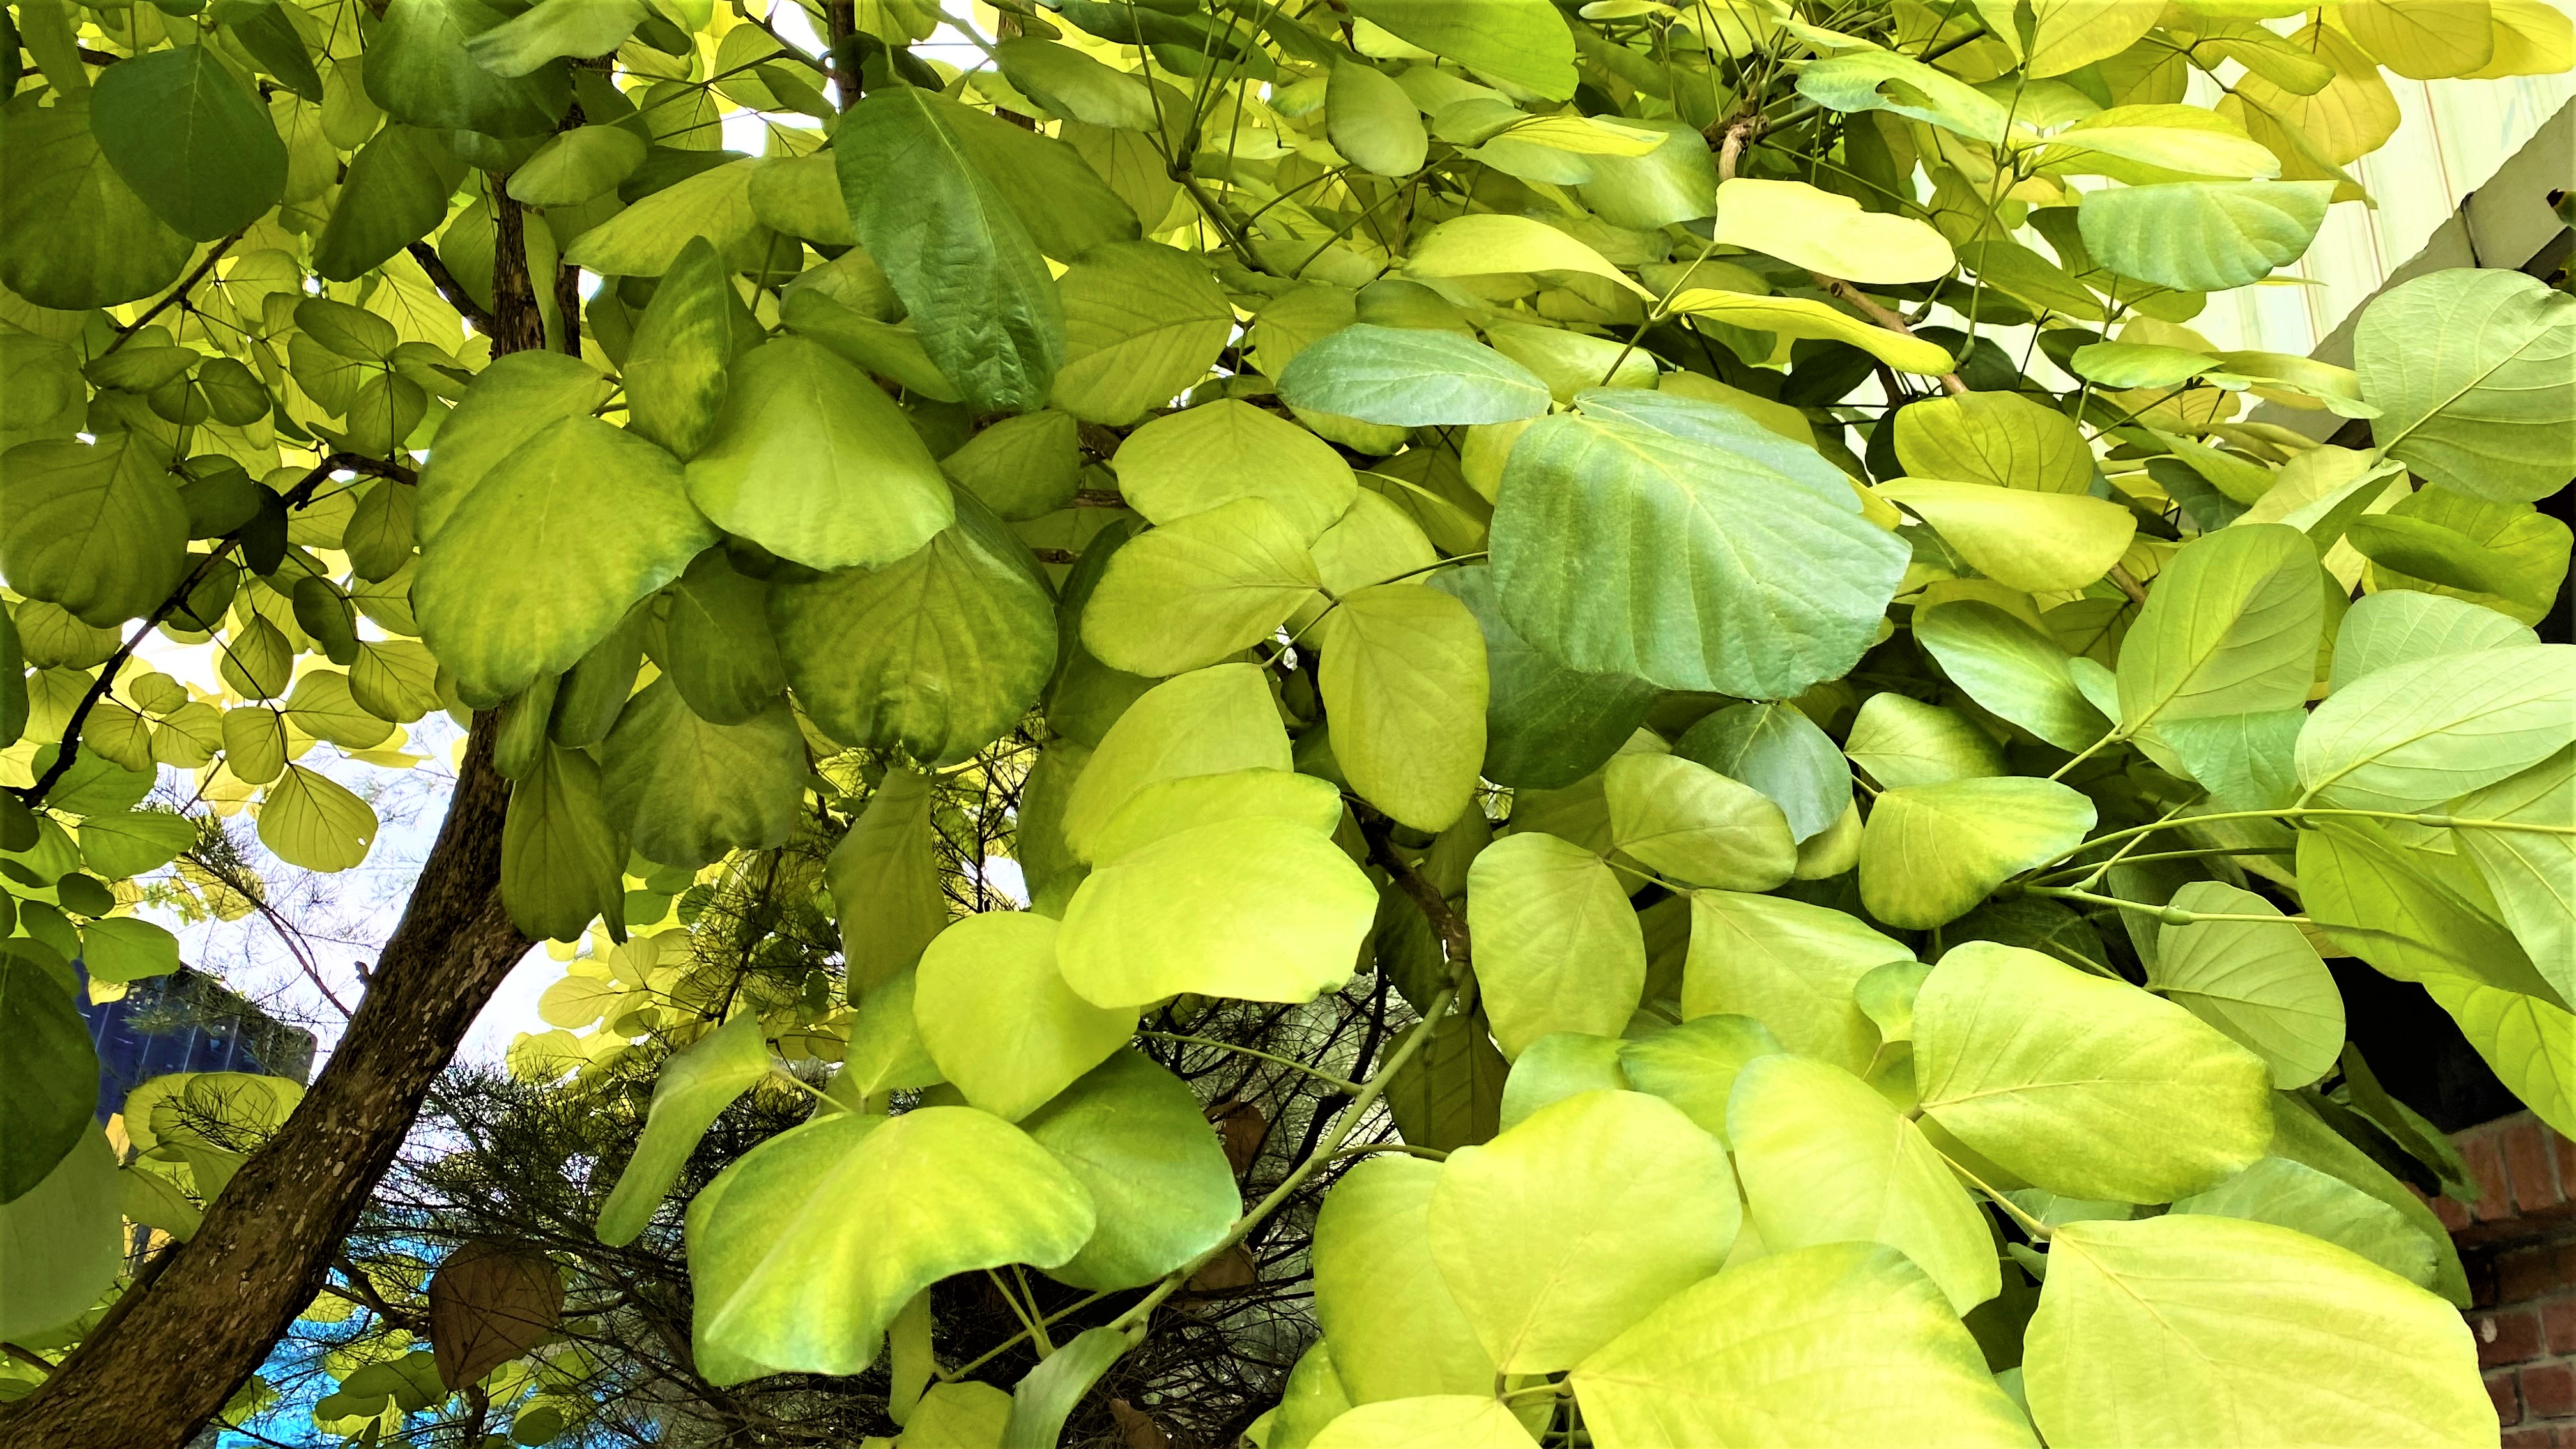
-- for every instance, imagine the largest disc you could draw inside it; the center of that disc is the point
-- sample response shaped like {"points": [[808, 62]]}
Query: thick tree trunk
{"points": [[174, 1350]]}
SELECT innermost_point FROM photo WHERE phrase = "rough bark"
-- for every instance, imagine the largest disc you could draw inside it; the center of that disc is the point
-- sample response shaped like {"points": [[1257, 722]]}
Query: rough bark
{"points": [[174, 1350]]}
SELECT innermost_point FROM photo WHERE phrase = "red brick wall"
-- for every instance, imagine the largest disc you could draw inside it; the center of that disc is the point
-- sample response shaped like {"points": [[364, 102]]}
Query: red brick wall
{"points": [[2519, 1246]]}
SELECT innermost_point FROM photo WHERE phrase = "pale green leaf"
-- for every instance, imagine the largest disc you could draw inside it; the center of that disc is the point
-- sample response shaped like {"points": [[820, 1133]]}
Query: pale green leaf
{"points": [[694, 1088], [1403, 685], [1187, 594], [2231, 627], [1694, 825], [2036, 542], [2299, 1197], [1257, 908], [1213, 454], [2475, 373], [1393, 1329], [1557, 944], [2203, 236], [1136, 1137], [2000, 438], [2413, 735], [1207, 722], [997, 1017], [2261, 983], [1410, 377], [1930, 853], [1828, 233], [1789, 965], [685, 791]]}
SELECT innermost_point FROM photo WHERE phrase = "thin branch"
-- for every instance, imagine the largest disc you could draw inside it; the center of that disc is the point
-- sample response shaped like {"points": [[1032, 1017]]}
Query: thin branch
{"points": [[1450, 926], [126, 332], [451, 289]]}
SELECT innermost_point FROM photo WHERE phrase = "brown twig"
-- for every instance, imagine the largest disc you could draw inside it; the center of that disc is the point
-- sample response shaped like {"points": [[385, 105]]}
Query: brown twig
{"points": [[1862, 303], [213, 256], [1446, 923], [451, 289]]}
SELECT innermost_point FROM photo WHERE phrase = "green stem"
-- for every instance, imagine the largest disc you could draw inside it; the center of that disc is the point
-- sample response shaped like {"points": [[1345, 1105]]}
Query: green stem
{"points": [[1341, 1084], [2169, 915], [2437, 822], [2029, 1224]]}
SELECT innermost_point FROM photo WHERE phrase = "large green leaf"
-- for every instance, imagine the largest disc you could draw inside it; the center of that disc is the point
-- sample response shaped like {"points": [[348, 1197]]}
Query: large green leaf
{"points": [[1843, 1343], [1557, 945], [1694, 825], [1778, 750], [2528, 1042], [419, 70], [1403, 683], [1370, 119], [820, 1235], [2022, 538], [542, 558], [2300, 1137], [1546, 726], [308, 819], [1826, 1159], [2413, 735], [1411, 377], [1694, 1064], [1523, 43], [1168, 807], [1393, 1328], [1620, 549], [1449, 1094], [191, 140], [1203, 457], [693, 1090], [678, 372], [1142, 322], [72, 233], [1902, 742], [2086, 1087], [1189, 593], [1136, 1137], [884, 878], [936, 653], [1561, 1232], [965, 266], [1207, 722], [50, 1075], [2400, 909], [2473, 376], [1258, 908], [2399, 626], [2260, 982], [396, 193], [685, 790], [2011, 669], [813, 462], [1457, 1421], [716, 646], [562, 864], [63, 1239], [1930, 853], [96, 527], [1829, 233], [2302, 1198], [2193, 1329], [1790, 966], [999, 1020], [2230, 628], [511, 401], [2203, 236], [2531, 873]]}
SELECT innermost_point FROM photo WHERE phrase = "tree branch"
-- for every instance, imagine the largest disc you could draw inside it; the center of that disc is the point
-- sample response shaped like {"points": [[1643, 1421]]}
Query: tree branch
{"points": [[185, 283], [453, 290], [1451, 927]]}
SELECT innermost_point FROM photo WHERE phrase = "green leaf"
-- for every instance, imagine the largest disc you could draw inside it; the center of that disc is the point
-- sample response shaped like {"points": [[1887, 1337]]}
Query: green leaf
{"points": [[1558, 1065], [1857, 81], [2403, 910], [396, 193], [884, 877], [73, 235], [1403, 684], [693, 1090], [1825, 1159], [1394, 1330], [1546, 726], [2261, 983], [1142, 322], [2400, 626], [1622, 550], [677, 374], [310, 820], [552, 29], [1902, 741], [1168, 807], [1410, 377], [962, 1415], [1694, 1064], [1311, 1398], [1047, 1395], [545, 554], [2528, 1042], [1930, 853], [1256, 908], [48, 1080], [1136, 1138], [126, 949], [813, 462], [2086, 1087], [2532, 874], [1213, 454], [1207, 722], [685, 791], [1995, 437], [1492, 243], [1806, 318], [1187, 594], [966, 268], [1523, 43], [1844, 1343], [2300, 1137], [646, 239], [2011, 669], [2413, 735], [1372, 121], [2472, 373], [190, 139], [419, 70], [1789, 965], [63, 1238], [1022, 468], [562, 866], [2505, 556], [2203, 236], [511, 401], [937, 653], [95, 527], [2230, 628], [577, 166], [1777, 750], [2293, 1195], [819, 1236], [2248, 761], [717, 649], [999, 1020], [119, 846], [1559, 1233], [2191, 1329], [1828, 233], [1073, 84], [1694, 825], [1557, 944], [2028, 540]]}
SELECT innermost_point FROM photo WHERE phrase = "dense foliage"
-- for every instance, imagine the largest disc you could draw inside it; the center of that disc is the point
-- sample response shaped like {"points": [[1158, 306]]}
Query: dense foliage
{"points": [[1602, 698]]}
